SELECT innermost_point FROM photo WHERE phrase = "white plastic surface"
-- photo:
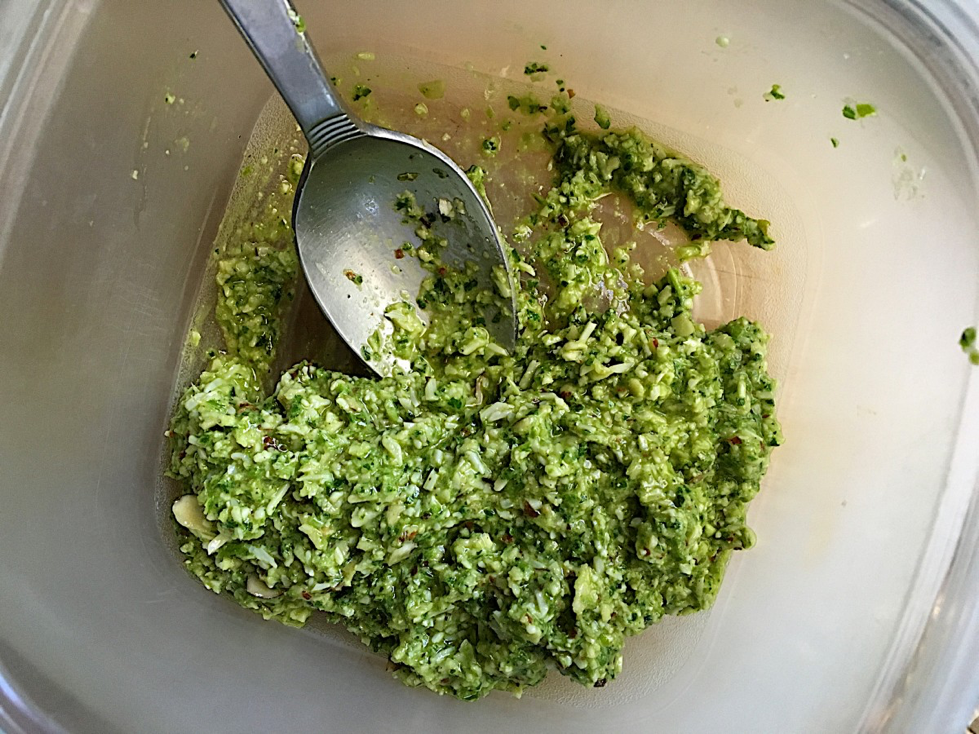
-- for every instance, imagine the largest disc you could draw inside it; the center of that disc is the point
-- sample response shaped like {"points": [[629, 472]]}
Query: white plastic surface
{"points": [[876, 274]]}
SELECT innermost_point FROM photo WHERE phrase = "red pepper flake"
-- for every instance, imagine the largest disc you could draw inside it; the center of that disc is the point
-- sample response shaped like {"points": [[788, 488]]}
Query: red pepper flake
{"points": [[570, 94], [572, 634], [407, 535], [565, 394], [399, 253], [507, 538], [529, 510], [654, 342], [269, 442], [469, 524], [307, 596], [443, 270], [736, 440]]}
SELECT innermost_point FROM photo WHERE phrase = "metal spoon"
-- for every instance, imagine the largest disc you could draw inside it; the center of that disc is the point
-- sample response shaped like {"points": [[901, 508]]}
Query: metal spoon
{"points": [[344, 218]]}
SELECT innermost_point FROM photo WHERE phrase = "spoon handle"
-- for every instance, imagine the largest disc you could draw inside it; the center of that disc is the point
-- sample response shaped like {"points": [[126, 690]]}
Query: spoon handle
{"points": [[275, 34]]}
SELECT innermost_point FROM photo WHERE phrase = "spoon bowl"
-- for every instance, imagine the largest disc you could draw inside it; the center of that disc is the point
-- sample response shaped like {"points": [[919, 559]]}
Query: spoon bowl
{"points": [[350, 236]]}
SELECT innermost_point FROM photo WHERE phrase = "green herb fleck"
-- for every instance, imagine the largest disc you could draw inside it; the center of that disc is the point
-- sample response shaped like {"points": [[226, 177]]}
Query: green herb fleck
{"points": [[477, 176], [835, 142], [968, 343], [406, 176], [528, 104], [355, 278], [434, 89], [602, 118], [297, 21], [193, 54], [774, 93], [491, 146], [360, 92], [169, 98], [535, 69], [859, 110]]}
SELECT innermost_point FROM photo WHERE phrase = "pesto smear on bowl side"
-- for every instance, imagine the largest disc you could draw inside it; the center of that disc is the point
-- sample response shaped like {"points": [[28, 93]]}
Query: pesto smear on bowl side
{"points": [[487, 515]]}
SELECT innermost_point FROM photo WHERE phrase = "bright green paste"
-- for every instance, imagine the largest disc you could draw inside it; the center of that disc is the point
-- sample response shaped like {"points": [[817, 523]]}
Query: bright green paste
{"points": [[487, 516]]}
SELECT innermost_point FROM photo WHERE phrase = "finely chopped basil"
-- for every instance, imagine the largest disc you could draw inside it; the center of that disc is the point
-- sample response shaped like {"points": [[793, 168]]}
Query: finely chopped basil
{"points": [[486, 515]]}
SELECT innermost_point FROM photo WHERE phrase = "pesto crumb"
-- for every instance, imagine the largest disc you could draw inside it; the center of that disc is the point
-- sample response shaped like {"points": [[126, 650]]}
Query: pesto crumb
{"points": [[169, 98], [355, 278], [361, 92], [434, 89], [775, 93], [535, 70], [297, 21], [968, 343], [602, 118], [859, 110], [491, 146], [722, 41], [528, 104]]}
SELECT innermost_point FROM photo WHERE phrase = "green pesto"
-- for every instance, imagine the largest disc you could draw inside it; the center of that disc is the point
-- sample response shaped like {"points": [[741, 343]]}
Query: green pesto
{"points": [[484, 516], [859, 110], [491, 146], [775, 93], [528, 104], [968, 343], [434, 89], [663, 184], [602, 118]]}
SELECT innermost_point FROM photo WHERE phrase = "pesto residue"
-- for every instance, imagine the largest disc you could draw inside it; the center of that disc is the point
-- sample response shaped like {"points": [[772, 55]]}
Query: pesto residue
{"points": [[486, 515], [968, 343], [859, 110]]}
